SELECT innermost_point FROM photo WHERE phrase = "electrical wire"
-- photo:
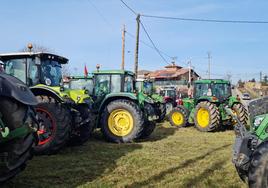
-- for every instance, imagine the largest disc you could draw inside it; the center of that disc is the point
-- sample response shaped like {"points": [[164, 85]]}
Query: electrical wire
{"points": [[150, 39], [126, 5], [148, 45], [206, 20]]}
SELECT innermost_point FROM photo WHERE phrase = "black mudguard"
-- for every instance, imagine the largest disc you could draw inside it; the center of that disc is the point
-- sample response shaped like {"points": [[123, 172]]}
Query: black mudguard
{"points": [[14, 88]]}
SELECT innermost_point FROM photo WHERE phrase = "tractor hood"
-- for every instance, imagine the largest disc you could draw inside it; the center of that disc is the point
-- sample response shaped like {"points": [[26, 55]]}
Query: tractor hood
{"points": [[12, 87], [157, 98]]}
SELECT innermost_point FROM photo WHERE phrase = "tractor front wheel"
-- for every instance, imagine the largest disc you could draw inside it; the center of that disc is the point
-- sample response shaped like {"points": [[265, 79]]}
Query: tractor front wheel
{"points": [[241, 113], [55, 125], [122, 121], [258, 169], [85, 129], [178, 117], [206, 117]]}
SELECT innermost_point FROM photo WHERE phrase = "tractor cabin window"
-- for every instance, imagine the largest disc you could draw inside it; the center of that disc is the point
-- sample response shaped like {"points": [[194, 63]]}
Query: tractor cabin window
{"points": [[128, 87], [16, 68], [102, 84]]}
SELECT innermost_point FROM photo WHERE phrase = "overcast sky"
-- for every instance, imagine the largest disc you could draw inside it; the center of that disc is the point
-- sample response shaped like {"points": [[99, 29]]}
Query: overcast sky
{"points": [[89, 32]]}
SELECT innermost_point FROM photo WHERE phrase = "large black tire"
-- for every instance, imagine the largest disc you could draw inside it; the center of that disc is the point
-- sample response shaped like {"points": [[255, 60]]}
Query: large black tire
{"points": [[258, 169], [178, 117], [241, 112], [53, 116], [149, 127], [84, 131], [213, 122], [15, 153], [169, 107], [163, 112], [136, 115]]}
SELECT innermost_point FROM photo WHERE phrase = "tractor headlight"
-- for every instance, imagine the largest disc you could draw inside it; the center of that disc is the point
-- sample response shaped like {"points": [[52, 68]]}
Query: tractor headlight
{"points": [[258, 121]]}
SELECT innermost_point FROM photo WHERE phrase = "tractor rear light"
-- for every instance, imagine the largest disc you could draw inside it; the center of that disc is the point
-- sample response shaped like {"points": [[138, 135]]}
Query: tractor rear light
{"points": [[214, 98], [180, 102]]}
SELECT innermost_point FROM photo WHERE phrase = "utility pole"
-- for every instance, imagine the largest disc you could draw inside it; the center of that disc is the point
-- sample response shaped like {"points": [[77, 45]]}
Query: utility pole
{"points": [[137, 46], [190, 71], [123, 47], [261, 76], [209, 61]]}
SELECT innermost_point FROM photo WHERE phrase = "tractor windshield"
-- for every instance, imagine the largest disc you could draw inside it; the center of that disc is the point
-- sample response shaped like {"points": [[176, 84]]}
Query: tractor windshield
{"points": [[148, 88], [81, 84], [221, 91], [51, 73], [171, 93]]}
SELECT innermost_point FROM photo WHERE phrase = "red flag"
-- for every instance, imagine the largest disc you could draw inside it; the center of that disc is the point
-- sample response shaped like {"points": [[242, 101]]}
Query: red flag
{"points": [[85, 71]]}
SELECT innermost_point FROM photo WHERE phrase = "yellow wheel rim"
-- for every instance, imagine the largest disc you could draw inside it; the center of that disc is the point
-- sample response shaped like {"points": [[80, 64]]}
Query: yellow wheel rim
{"points": [[177, 118], [203, 117], [120, 122]]}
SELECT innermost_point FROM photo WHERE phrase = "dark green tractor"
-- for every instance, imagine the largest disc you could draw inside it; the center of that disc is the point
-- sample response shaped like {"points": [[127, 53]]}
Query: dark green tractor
{"points": [[65, 113], [123, 114], [250, 155], [206, 108], [146, 86], [18, 126]]}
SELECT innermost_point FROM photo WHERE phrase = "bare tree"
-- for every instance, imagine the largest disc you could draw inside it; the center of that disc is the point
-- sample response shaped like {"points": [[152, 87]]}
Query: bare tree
{"points": [[39, 48]]}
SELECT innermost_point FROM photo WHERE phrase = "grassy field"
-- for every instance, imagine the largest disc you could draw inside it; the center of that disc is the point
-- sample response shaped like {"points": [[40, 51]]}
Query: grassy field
{"points": [[170, 158]]}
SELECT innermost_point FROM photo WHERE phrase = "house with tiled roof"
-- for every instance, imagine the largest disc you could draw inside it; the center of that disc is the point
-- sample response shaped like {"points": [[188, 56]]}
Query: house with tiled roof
{"points": [[172, 75]]}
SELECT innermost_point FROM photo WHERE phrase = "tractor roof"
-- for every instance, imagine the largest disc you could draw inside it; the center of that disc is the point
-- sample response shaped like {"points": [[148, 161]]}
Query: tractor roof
{"points": [[215, 81], [80, 77], [45, 55], [114, 72]]}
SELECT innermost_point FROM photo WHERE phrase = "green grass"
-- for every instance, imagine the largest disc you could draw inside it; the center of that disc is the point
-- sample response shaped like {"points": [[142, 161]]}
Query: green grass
{"points": [[169, 158]]}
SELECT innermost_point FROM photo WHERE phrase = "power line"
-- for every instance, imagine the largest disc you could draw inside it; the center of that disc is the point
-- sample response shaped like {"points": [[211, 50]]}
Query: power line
{"points": [[206, 20], [100, 14], [148, 45], [156, 49], [133, 11]]}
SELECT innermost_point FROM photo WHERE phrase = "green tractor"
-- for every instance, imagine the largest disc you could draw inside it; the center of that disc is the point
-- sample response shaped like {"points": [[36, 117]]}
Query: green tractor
{"points": [[250, 151], [206, 108], [18, 126], [65, 113], [123, 114], [146, 86]]}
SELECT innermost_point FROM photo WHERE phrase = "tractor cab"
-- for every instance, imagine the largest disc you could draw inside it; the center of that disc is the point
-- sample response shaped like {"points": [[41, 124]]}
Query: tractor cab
{"points": [[217, 89], [114, 81], [34, 68], [80, 83]]}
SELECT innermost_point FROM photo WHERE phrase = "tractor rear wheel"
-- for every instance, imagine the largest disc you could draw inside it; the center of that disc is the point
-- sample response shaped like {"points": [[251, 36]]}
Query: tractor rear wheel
{"points": [[241, 113], [122, 121], [55, 125], [148, 129], [206, 117], [15, 153], [178, 117], [258, 169]]}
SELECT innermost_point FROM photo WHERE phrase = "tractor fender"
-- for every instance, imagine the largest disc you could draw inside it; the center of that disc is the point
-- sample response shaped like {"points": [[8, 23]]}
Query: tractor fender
{"points": [[43, 90], [232, 101], [13, 87]]}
